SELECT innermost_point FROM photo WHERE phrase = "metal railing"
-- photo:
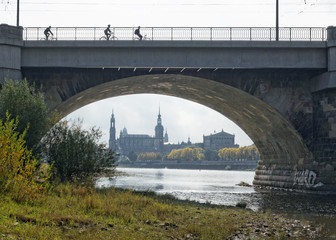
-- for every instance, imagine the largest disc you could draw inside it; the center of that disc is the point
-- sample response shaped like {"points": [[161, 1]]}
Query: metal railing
{"points": [[183, 33]]}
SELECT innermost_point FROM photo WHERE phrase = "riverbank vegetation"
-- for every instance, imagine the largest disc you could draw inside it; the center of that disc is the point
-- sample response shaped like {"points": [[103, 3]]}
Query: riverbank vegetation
{"points": [[76, 212], [76, 154], [192, 153]]}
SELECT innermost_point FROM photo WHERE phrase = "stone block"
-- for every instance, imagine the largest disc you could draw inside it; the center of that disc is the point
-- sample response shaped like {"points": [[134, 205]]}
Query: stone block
{"points": [[331, 31], [11, 35], [331, 44]]}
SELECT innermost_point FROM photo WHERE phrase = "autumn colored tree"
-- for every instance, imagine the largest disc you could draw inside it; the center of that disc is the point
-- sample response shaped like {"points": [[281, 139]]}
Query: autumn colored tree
{"points": [[188, 154], [239, 154], [149, 156], [18, 168]]}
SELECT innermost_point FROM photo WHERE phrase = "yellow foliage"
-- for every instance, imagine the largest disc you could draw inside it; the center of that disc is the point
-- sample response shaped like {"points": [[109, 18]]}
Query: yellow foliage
{"points": [[17, 165], [149, 156], [187, 153], [242, 153]]}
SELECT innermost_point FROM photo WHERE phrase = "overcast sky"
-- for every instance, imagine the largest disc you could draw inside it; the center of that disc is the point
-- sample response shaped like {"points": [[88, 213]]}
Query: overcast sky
{"points": [[138, 113]]}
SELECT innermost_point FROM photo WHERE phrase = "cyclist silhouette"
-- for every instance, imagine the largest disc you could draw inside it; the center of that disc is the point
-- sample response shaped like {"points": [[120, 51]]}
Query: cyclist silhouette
{"points": [[137, 32], [107, 32], [47, 32]]}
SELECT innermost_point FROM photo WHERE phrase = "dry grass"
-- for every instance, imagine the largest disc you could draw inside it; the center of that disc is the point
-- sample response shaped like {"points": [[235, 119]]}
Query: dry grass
{"points": [[83, 213]]}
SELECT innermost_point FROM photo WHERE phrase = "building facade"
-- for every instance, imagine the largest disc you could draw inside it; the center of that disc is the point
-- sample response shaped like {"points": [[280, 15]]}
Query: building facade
{"points": [[142, 143], [138, 143], [219, 140]]}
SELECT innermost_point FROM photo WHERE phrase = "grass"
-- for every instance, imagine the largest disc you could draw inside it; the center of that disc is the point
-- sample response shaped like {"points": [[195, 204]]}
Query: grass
{"points": [[71, 212]]}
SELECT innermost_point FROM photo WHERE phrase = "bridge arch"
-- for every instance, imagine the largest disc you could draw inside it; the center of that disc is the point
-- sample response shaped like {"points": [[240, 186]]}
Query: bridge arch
{"points": [[281, 147]]}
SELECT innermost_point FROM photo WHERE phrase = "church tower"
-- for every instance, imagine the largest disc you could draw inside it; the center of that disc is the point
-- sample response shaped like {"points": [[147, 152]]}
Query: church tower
{"points": [[166, 136], [158, 141], [112, 141]]}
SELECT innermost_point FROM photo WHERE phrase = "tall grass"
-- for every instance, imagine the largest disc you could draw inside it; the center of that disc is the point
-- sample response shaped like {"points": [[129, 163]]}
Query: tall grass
{"points": [[74, 212]]}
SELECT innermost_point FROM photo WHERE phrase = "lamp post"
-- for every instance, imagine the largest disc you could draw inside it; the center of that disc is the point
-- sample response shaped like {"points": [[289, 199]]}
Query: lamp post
{"points": [[18, 13], [277, 21]]}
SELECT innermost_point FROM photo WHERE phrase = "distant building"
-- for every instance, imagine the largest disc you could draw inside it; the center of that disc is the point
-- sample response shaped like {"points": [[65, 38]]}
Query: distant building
{"points": [[112, 140], [142, 143], [139, 143], [219, 140]]}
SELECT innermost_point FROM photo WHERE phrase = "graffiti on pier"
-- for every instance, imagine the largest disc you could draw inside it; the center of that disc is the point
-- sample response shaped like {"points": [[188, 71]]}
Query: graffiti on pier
{"points": [[306, 178]]}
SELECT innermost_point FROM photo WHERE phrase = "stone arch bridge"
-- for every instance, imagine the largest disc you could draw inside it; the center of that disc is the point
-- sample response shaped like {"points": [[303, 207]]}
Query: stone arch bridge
{"points": [[282, 94]]}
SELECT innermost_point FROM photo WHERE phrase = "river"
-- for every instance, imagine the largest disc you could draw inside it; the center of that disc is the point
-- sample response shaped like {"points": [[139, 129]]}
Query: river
{"points": [[220, 188]]}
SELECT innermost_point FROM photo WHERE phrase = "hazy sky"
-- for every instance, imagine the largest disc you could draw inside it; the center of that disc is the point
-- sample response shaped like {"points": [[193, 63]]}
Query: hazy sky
{"points": [[138, 113]]}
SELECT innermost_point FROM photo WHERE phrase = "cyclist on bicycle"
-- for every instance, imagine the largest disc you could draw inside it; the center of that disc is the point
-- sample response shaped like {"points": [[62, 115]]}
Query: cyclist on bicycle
{"points": [[137, 32], [47, 32], [107, 32]]}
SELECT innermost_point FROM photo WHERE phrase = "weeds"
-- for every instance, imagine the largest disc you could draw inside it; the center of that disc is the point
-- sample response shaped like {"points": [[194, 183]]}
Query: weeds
{"points": [[73, 212]]}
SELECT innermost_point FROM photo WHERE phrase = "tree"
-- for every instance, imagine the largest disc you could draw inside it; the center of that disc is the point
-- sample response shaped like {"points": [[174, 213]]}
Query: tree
{"points": [[17, 165], [76, 154], [132, 156], [242, 153], [26, 103], [187, 153], [149, 156], [211, 155]]}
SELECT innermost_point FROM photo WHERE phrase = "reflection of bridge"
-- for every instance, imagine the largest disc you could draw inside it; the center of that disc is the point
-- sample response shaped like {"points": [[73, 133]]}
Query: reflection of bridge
{"points": [[282, 94]]}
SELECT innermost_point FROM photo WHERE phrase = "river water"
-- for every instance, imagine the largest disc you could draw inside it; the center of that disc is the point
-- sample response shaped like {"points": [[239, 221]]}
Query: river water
{"points": [[220, 187]]}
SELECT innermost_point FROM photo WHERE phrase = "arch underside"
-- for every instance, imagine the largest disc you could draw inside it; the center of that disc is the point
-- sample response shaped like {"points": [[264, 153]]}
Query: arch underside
{"points": [[281, 147], [237, 94]]}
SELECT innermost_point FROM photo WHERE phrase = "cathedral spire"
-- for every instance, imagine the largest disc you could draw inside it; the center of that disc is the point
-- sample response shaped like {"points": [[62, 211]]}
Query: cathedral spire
{"points": [[159, 118], [112, 140]]}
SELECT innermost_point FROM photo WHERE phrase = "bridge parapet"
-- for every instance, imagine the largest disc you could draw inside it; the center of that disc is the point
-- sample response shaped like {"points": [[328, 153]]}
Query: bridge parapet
{"points": [[182, 33]]}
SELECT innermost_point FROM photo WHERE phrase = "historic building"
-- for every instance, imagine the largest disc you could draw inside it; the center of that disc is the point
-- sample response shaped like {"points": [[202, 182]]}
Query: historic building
{"points": [[219, 140], [141, 143]]}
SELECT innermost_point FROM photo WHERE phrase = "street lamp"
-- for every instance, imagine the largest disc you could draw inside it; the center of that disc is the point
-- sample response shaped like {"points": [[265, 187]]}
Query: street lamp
{"points": [[277, 21], [17, 13]]}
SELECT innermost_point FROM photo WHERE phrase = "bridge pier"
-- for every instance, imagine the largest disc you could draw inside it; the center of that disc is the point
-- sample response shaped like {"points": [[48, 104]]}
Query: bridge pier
{"points": [[10, 48], [318, 172], [324, 118]]}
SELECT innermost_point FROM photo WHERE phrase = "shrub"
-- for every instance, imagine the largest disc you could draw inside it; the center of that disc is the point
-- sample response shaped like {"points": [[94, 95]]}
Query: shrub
{"points": [[75, 153], [26, 103], [17, 165]]}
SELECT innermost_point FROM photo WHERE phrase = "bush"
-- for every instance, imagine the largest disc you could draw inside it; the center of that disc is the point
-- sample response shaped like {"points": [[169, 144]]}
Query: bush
{"points": [[17, 165], [25, 103], [75, 154]]}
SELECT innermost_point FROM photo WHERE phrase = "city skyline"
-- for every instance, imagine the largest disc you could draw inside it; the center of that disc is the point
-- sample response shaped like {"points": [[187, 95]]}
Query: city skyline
{"points": [[174, 118]]}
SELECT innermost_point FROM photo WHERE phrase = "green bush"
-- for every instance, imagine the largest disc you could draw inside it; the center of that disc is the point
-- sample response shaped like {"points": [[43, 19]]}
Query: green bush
{"points": [[24, 102], [75, 154]]}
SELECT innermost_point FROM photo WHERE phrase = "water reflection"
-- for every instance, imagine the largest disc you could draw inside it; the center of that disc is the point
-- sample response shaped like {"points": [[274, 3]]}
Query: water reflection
{"points": [[220, 187]]}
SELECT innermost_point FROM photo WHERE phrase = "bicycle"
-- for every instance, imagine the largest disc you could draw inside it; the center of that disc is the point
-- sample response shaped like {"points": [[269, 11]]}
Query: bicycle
{"points": [[143, 38], [50, 38], [112, 37]]}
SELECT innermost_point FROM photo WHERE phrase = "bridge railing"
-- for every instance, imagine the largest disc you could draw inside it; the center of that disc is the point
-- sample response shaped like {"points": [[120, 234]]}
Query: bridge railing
{"points": [[183, 33]]}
